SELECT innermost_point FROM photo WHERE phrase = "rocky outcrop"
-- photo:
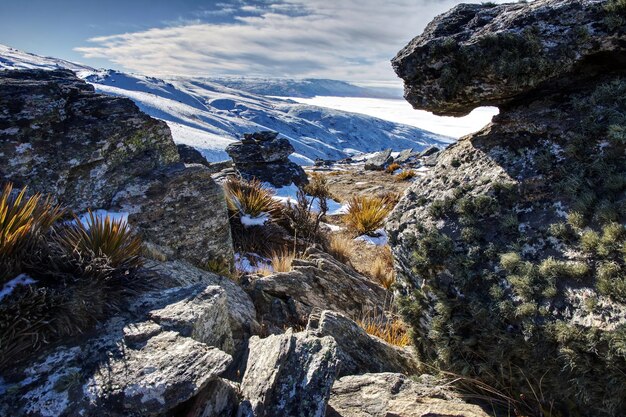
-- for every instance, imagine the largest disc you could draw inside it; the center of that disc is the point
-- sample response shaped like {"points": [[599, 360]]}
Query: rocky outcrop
{"points": [[156, 356], [316, 281], [510, 249], [190, 155], [92, 151], [379, 161], [264, 156], [388, 394], [358, 352], [181, 211], [288, 375], [488, 54]]}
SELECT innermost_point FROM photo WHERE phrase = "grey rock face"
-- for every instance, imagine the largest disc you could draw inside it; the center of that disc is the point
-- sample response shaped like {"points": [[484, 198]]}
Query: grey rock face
{"points": [[318, 281], [190, 155], [60, 137], [145, 362], [406, 156], [288, 375], [240, 309], [379, 161], [263, 156], [507, 227], [182, 211], [92, 151], [358, 352], [476, 55], [388, 394]]}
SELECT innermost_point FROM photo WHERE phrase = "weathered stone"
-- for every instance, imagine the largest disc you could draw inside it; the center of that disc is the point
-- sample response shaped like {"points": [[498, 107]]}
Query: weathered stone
{"points": [[358, 352], [131, 365], [263, 156], [240, 309], [486, 54], [182, 211], [405, 156], [288, 375], [218, 399], [429, 151], [190, 155], [60, 137], [317, 281], [379, 161], [498, 249], [388, 394]]}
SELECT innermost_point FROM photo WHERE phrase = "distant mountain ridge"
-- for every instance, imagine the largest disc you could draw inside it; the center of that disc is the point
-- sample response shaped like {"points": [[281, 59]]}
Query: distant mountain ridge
{"points": [[209, 116], [305, 88]]}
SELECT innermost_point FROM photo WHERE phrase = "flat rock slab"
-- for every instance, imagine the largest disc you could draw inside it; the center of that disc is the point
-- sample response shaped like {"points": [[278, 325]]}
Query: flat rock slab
{"points": [[389, 394], [132, 365], [379, 161]]}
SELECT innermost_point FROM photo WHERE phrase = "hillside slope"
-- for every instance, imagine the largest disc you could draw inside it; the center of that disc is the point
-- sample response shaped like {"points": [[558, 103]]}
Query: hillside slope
{"points": [[209, 116]]}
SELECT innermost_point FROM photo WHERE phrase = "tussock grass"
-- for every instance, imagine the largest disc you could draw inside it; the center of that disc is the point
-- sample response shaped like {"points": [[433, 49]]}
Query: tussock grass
{"points": [[22, 221], [391, 168], [280, 261], [250, 198], [340, 247], [406, 175], [381, 269], [392, 331], [366, 214]]}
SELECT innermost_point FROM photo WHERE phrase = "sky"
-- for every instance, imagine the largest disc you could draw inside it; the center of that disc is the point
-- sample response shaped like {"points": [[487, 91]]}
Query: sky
{"points": [[350, 40]]}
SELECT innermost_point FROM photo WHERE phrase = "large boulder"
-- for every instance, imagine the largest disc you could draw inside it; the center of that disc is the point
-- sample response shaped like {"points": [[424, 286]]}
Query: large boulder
{"points": [[389, 394], [58, 136], [510, 251], [358, 352], [93, 151], [379, 160], [316, 281], [488, 54], [159, 354], [264, 156], [288, 375]]}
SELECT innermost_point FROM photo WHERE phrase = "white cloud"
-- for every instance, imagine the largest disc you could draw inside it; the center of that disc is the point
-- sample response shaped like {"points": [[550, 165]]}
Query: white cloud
{"points": [[348, 39]]}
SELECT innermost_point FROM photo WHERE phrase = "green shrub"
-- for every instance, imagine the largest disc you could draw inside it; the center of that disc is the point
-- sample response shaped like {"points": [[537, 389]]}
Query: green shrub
{"points": [[553, 269]]}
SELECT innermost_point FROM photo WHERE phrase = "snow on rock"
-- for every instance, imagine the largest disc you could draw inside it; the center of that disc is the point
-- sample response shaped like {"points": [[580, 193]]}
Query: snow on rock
{"points": [[377, 238], [8, 288], [259, 220]]}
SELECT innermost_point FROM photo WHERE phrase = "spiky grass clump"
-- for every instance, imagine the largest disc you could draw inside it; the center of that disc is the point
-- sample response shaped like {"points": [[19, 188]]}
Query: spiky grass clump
{"points": [[366, 214], [22, 221], [406, 175], [250, 198], [318, 186], [393, 331]]}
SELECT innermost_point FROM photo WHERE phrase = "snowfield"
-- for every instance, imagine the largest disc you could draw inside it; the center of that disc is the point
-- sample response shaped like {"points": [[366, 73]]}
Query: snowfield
{"points": [[208, 115]]}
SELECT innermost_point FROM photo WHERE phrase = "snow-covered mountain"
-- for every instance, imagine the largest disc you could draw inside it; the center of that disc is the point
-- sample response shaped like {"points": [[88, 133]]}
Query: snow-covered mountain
{"points": [[305, 88], [209, 115]]}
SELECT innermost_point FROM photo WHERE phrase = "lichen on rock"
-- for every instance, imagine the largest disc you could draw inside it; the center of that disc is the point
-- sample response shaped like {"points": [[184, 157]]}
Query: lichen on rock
{"points": [[511, 250]]}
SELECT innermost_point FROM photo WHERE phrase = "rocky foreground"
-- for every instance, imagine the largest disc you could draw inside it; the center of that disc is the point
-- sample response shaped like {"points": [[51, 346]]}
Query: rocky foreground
{"points": [[509, 251]]}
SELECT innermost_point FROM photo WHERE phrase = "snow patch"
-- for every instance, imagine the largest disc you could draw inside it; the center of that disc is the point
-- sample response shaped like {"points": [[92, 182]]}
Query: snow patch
{"points": [[259, 220], [377, 238]]}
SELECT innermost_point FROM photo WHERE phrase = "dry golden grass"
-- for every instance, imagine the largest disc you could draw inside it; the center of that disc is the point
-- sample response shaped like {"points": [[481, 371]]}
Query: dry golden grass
{"points": [[392, 168], [406, 175], [21, 221], [280, 262], [250, 198], [103, 237], [366, 214], [317, 186], [392, 331], [382, 273], [340, 247]]}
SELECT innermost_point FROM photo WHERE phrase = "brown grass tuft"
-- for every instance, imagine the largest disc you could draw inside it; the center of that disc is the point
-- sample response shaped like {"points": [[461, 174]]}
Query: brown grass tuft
{"points": [[340, 247], [406, 175], [391, 168], [366, 214], [393, 331], [250, 198]]}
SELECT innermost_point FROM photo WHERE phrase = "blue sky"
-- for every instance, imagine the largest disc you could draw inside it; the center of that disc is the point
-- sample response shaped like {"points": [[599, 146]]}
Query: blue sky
{"points": [[350, 40]]}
